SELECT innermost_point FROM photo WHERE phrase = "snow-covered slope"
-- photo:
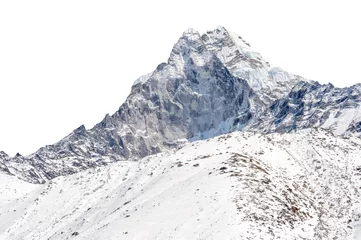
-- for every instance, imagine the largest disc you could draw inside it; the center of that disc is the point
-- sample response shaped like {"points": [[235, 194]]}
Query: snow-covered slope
{"points": [[212, 84], [242, 185]]}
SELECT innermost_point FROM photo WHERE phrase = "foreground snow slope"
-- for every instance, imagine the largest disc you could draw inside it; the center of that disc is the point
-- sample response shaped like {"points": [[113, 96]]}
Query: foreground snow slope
{"points": [[236, 186]]}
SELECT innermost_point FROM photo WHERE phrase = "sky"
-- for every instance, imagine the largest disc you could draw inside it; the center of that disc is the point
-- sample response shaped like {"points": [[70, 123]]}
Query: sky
{"points": [[70, 62]]}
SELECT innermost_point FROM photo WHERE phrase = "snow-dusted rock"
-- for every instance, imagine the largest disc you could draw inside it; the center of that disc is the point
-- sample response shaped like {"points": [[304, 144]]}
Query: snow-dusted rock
{"points": [[310, 104], [3, 158]]}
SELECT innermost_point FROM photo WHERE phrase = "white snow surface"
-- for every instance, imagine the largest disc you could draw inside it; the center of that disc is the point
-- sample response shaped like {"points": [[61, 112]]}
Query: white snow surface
{"points": [[242, 185]]}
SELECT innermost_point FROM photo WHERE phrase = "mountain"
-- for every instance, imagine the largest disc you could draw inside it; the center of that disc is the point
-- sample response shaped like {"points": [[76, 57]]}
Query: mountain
{"points": [[241, 185], [212, 84], [213, 144]]}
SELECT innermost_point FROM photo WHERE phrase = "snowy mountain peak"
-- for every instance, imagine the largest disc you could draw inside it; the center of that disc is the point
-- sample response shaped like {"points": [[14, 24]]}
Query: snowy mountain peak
{"points": [[212, 84], [190, 32], [222, 34], [231, 49]]}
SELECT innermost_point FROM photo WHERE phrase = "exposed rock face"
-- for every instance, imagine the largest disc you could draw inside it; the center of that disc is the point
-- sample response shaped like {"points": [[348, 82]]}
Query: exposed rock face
{"points": [[3, 155], [212, 84], [310, 104], [3, 158]]}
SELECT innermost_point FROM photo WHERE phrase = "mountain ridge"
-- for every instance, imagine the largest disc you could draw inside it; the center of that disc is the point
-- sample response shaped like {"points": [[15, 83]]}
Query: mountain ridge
{"points": [[240, 185]]}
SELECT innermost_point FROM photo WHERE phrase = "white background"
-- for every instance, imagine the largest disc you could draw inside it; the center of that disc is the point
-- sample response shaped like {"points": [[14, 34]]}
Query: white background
{"points": [[67, 63]]}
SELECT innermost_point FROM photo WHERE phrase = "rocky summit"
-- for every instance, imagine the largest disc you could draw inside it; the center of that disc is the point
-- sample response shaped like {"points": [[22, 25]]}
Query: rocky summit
{"points": [[213, 83]]}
